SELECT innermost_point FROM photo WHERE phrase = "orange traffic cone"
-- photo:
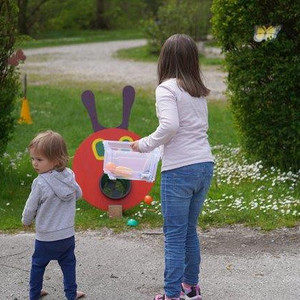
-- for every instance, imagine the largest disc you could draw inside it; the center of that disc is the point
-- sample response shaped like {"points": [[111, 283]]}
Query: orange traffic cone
{"points": [[25, 113]]}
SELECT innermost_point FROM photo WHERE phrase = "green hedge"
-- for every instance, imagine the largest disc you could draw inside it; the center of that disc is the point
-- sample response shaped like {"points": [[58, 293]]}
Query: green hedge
{"points": [[9, 86], [264, 77]]}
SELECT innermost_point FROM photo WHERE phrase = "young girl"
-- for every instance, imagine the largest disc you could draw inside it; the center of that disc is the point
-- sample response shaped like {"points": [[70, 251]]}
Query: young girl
{"points": [[51, 204], [187, 162]]}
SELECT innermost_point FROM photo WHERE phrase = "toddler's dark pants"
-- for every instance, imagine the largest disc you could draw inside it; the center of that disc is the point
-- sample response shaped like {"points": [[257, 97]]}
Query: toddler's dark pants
{"points": [[63, 252]]}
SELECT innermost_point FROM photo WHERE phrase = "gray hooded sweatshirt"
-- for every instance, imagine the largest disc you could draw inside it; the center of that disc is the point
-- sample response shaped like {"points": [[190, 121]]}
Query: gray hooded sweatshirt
{"points": [[52, 203]]}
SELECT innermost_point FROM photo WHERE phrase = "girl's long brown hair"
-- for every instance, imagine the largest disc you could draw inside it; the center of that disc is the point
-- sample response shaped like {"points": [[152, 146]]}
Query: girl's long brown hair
{"points": [[179, 58]]}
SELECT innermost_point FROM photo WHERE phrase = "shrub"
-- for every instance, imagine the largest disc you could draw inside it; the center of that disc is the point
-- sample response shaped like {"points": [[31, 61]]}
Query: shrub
{"points": [[190, 17], [263, 77], [9, 85], [124, 14]]}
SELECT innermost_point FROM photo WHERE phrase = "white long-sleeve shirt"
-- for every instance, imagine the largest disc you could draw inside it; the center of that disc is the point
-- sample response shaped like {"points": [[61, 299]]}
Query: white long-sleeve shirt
{"points": [[182, 130]]}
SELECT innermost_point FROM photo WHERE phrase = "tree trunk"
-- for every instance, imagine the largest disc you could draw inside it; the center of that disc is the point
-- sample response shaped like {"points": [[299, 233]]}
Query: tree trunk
{"points": [[100, 22], [23, 20]]}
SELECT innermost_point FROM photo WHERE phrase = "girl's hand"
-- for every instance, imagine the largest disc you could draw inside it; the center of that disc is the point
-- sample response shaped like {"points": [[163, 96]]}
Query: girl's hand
{"points": [[135, 146]]}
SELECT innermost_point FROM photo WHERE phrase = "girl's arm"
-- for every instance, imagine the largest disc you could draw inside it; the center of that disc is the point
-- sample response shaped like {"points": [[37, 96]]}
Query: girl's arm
{"points": [[168, 121]]}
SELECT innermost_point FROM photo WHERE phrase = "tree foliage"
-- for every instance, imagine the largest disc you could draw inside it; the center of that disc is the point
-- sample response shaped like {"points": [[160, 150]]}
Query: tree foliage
{"points": [[9, 85], [264, 77], [38, 16], [124, 14], [191, 17], [29, 13]]}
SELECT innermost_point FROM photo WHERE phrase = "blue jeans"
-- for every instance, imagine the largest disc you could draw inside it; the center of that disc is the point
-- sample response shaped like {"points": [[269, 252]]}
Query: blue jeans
{"points": [[183, 191], [63, 252]]}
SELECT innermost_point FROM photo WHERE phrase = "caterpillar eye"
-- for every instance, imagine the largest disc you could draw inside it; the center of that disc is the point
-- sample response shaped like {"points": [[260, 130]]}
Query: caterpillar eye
{"points": [[126, 138], [98, 149], [97, 188]]}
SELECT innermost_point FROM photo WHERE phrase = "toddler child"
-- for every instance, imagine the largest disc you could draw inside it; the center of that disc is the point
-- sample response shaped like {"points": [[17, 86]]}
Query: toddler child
{"points": [[52, 204]]}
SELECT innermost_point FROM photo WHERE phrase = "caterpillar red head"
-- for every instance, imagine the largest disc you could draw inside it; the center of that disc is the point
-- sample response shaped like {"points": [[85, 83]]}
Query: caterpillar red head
{"points": [[97, 188]]}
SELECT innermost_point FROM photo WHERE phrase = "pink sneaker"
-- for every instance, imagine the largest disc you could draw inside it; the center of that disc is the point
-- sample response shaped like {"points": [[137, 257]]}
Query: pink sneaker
{"points": [[193, 293]]}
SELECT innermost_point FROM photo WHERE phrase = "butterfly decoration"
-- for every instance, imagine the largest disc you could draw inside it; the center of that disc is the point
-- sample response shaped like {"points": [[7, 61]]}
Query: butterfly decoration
{"points": [[266, 33], [16, 58]]}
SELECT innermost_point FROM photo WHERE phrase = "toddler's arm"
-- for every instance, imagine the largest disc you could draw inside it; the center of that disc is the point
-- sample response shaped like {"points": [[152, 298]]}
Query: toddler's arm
{"points": [[77, 187], [32, 204]]}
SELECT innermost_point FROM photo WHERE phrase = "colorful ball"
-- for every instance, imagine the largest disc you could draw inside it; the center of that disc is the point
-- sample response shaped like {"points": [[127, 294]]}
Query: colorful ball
{"points": [[132, 222], [148, 199]]}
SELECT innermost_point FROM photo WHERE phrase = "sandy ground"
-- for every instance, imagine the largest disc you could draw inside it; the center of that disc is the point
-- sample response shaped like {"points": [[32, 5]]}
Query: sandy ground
{"points": [[97, 62]]}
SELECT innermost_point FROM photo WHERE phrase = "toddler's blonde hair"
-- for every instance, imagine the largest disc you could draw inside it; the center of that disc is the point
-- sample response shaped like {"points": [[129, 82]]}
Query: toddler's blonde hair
{"points": [[51, 145]]}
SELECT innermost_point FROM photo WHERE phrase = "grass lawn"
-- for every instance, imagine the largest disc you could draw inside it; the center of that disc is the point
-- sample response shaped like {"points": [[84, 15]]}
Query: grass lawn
{"points": [[77, 37], [241, 192], [141, 54]]}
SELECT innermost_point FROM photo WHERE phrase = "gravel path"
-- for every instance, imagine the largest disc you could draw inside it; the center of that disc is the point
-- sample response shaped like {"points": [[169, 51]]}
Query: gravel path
{"points": [[96, 62], [238, 264]]}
